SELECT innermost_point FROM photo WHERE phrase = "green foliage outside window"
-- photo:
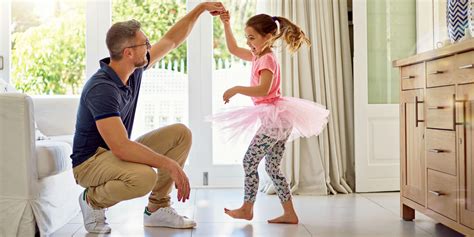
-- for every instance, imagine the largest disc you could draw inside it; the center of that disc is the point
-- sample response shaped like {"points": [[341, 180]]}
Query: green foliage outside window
{"points": [[49, 57]]}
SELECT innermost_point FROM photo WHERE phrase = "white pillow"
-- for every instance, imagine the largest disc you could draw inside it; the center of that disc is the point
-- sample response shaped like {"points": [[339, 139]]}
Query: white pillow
{"points": [[4, 88]]}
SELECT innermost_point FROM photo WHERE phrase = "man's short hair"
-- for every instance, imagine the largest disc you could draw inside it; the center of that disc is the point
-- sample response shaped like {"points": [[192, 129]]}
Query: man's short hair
{"points": [[119, 36]]}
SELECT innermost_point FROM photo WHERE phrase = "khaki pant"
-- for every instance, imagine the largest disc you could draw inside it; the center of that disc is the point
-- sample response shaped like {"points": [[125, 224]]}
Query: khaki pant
{"points": [[110, 180]]}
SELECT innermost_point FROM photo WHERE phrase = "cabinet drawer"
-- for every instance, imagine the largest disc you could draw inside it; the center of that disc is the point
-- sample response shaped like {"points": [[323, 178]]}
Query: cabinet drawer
{"points": [[442, 194], [464, 67], [441, 150], [413, 76], [440, 72], [440, 107]]}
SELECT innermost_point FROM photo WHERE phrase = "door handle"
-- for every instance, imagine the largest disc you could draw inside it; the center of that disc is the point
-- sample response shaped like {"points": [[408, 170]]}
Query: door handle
{"points": [[416, 111], [1, 62]]}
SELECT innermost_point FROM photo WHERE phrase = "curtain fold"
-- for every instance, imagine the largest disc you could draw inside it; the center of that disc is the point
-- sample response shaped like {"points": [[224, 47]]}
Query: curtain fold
{"points": [[321, 73]]}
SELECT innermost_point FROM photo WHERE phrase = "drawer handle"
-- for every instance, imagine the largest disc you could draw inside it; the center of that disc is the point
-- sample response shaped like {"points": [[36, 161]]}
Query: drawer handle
{"points": [[436, 107], [466, 66], [408, 77], [436, 150], [435, 72], [436, 193]]}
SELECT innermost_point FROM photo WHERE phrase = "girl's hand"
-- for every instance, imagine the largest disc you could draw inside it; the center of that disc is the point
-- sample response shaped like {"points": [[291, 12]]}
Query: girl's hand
{"points": [[225, 17], [229, 94]]}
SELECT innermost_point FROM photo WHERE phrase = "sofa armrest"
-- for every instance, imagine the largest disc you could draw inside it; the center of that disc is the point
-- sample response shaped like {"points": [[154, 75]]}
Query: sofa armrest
{"points": [[56, 115], [17, 146]]}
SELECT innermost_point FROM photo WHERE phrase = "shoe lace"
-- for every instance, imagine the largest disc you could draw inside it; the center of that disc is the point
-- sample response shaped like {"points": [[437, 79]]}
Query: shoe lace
{"points": [[173, 212]]}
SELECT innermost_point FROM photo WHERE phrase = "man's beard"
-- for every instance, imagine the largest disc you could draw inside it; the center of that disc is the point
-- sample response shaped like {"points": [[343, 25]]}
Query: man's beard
{"points": [[141, 63]]}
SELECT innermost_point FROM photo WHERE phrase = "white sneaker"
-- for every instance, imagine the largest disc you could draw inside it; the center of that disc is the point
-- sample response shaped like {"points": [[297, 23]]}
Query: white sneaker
{"points": [[166, 217], [94, 220]]}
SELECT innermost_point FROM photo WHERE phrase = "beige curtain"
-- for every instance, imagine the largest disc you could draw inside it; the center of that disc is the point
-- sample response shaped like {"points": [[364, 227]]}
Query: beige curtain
{"points": [[322, 73]]}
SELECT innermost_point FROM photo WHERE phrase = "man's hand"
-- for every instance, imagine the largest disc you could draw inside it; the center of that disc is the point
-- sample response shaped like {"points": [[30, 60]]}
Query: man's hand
{"points": [[181, 181], [215, 8], [229, 94]]}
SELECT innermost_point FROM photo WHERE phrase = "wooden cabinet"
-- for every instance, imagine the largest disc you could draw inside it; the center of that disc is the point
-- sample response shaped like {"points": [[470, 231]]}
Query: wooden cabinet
{"points": [[465, 133], [413, 150], [437, 136]]}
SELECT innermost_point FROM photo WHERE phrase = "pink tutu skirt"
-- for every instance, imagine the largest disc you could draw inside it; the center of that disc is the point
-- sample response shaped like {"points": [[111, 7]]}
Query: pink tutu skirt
{"points": [[286, 117]]}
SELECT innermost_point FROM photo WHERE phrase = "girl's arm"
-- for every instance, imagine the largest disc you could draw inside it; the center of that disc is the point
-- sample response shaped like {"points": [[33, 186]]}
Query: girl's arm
{"points": [[234, 49], [266, 79]]}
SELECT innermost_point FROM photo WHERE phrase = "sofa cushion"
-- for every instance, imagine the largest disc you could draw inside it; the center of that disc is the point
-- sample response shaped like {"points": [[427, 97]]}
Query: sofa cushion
{"points": [[52, 157], [66, 138]]}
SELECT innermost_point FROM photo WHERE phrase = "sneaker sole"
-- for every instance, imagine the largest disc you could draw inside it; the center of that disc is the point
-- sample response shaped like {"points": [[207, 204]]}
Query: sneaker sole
{"points": [[172, 227], [99, 232]]}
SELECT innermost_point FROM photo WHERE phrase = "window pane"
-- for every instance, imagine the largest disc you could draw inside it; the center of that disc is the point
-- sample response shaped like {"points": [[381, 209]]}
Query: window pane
{"points": [[391, 35], [163, 98], [48, 46], [228, 72]]}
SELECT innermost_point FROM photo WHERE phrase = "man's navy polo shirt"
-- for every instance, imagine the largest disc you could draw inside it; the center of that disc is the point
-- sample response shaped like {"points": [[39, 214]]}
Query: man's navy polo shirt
{"points": [[104, 95]]}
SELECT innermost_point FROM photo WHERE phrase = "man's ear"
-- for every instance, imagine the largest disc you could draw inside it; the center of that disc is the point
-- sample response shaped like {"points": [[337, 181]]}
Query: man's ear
{"points": [[127, 52]]}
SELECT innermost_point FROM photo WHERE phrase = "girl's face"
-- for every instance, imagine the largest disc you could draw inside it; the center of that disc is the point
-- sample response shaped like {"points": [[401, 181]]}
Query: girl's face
{"points": [[255, 41]]}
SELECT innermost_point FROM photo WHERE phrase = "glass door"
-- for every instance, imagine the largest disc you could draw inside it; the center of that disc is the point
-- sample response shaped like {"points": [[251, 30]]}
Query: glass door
{"points": [[213, 160], [384, 30]]}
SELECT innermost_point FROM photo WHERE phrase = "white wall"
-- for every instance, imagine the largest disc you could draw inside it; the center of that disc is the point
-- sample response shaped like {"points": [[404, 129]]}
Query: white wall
{"points": [[430, 23], [5, 39]]}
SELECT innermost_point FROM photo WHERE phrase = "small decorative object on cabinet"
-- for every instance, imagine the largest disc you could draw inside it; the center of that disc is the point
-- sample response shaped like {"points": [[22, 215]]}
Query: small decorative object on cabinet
{"points": [[471, 16], [457, 18], [437, 135]]}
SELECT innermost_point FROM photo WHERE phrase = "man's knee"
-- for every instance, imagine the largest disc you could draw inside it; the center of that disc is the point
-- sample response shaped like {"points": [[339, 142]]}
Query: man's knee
{"points": [[184, 131], [143, 181]]}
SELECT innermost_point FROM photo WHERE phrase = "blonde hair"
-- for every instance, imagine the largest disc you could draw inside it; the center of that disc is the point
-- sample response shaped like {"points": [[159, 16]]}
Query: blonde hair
{"points": [[292, 34]]}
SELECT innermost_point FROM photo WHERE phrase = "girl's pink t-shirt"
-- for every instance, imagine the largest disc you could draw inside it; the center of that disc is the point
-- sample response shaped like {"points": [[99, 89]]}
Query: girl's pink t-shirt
{"points": [[268, 62]]}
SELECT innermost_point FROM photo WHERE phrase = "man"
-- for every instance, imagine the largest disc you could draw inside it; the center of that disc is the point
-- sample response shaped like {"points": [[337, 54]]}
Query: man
{"points": [[106, 162]]}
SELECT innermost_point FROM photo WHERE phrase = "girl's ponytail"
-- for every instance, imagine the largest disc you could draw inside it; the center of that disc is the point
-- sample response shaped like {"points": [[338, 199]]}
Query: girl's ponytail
{"points": [[278, 27], [292, 34]]}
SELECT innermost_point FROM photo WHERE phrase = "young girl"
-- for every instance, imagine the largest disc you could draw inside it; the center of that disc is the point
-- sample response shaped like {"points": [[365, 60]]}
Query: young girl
{"points": [[279, 118]]}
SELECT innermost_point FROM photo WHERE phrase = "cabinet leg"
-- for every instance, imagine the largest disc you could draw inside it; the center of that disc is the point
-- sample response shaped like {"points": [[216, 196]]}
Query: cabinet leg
{"points": [[407, 213]]}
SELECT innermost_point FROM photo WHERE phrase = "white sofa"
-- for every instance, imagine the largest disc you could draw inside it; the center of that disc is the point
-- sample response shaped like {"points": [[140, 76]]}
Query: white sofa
{"points": [[37, 187]]}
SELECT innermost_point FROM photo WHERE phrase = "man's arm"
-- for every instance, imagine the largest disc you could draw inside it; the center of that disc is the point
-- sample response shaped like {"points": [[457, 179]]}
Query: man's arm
{"points": [[180, 31], [114, 134]]}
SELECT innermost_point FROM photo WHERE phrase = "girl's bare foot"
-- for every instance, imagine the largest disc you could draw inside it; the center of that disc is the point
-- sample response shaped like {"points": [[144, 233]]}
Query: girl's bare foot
{"points": [[285, 219], [289, 215], [241, 213]]}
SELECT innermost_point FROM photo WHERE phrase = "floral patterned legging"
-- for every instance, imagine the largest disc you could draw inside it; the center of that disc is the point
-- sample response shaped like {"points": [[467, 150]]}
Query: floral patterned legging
{"points": [[272, 149]]}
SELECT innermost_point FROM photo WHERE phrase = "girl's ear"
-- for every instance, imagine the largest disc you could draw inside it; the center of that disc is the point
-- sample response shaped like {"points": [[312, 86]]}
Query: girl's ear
{"points": [[268, 36]]}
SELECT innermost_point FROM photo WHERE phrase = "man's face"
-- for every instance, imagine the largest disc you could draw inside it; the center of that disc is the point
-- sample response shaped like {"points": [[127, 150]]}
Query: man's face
{"points": [[139, 49]]}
